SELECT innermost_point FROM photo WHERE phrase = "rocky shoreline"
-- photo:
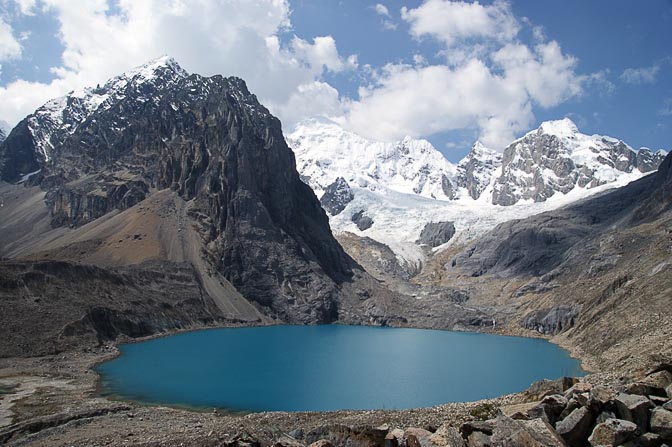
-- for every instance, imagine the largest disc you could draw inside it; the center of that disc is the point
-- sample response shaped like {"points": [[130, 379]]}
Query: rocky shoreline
{"points": [[58, 402]]}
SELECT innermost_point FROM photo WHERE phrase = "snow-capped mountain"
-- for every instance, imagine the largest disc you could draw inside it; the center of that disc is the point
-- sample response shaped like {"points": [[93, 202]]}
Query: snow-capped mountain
{"points": [[325, 152], [401, 187], [4, 130], [60, 117], [476, 171], [556, 158]]}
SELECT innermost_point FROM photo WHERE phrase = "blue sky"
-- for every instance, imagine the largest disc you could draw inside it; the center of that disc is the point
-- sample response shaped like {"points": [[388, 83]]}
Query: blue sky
{"points": [[447, 71]]}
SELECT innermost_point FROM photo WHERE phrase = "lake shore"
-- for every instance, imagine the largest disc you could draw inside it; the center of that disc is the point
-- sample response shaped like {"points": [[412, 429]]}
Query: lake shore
{"points": [[62, 406]]}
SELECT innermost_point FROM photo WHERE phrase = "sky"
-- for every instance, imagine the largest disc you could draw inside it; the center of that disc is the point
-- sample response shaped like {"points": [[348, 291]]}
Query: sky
{"points": [[448, 71]]}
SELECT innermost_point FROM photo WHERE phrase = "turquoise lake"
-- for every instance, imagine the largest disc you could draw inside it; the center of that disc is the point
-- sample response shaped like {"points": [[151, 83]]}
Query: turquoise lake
{"points": [[322, 368]]}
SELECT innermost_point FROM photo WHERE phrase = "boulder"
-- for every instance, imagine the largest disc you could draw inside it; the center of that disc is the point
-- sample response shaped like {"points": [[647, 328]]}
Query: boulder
{"points": [[572, 405], [668, 405], [613, 432], [362, 221], [645, 389], [417, 437], [646, 440], [658, 400], [661, 423], [574, 429], [578, 388], [539, 390], [555, 404], [395, 438], [604, 416], [355, 436], [532, 433], [436, 233], [470, 427], [601, 398], [447, 436], [634, 408], [479, 439]]}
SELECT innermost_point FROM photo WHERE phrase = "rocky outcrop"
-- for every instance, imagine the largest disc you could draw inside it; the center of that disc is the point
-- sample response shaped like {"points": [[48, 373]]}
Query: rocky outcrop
{"points": [[336, 196], [436, 233], [648, 161], [579, 415], [476, 170], [362, 221], [17, 154], [553, 320], [85, 202]]}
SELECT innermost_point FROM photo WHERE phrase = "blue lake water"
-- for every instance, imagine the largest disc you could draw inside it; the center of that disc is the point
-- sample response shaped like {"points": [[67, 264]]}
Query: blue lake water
{"points": [[321, 368]]}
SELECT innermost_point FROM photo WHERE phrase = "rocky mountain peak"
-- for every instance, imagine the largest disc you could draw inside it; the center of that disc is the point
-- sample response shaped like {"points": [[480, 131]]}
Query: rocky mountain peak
{"points": [[476, 170], [556, 158], [210, 141], [325, 151], [564, 128]]}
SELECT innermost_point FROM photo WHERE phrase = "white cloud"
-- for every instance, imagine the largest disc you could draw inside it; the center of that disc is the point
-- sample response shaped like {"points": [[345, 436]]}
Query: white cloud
{"points": [[666, 109], [26, 7], [420, 101], [10, 48], [382, 10], [310, 100], [643, 75], [229, 37], [455, 22], [490, 81]]}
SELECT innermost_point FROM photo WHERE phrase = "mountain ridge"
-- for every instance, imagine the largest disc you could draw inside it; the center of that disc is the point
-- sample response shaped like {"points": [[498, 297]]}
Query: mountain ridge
{"points": [[518, 180], [174, 167]]}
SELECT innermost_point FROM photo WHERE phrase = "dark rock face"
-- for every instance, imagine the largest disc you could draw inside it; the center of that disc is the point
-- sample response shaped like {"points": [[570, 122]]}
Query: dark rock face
{"points": [[648, 161], [552, 321], [476, 169], [337, 196], [362, 221], [532, 155], [211, 141], [17, 154], [447, 187], [436, 233]]}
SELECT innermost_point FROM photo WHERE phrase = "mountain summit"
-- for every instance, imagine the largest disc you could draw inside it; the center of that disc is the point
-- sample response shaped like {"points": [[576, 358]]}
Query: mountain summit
{"points": [[201, 159], [556, 158]]}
